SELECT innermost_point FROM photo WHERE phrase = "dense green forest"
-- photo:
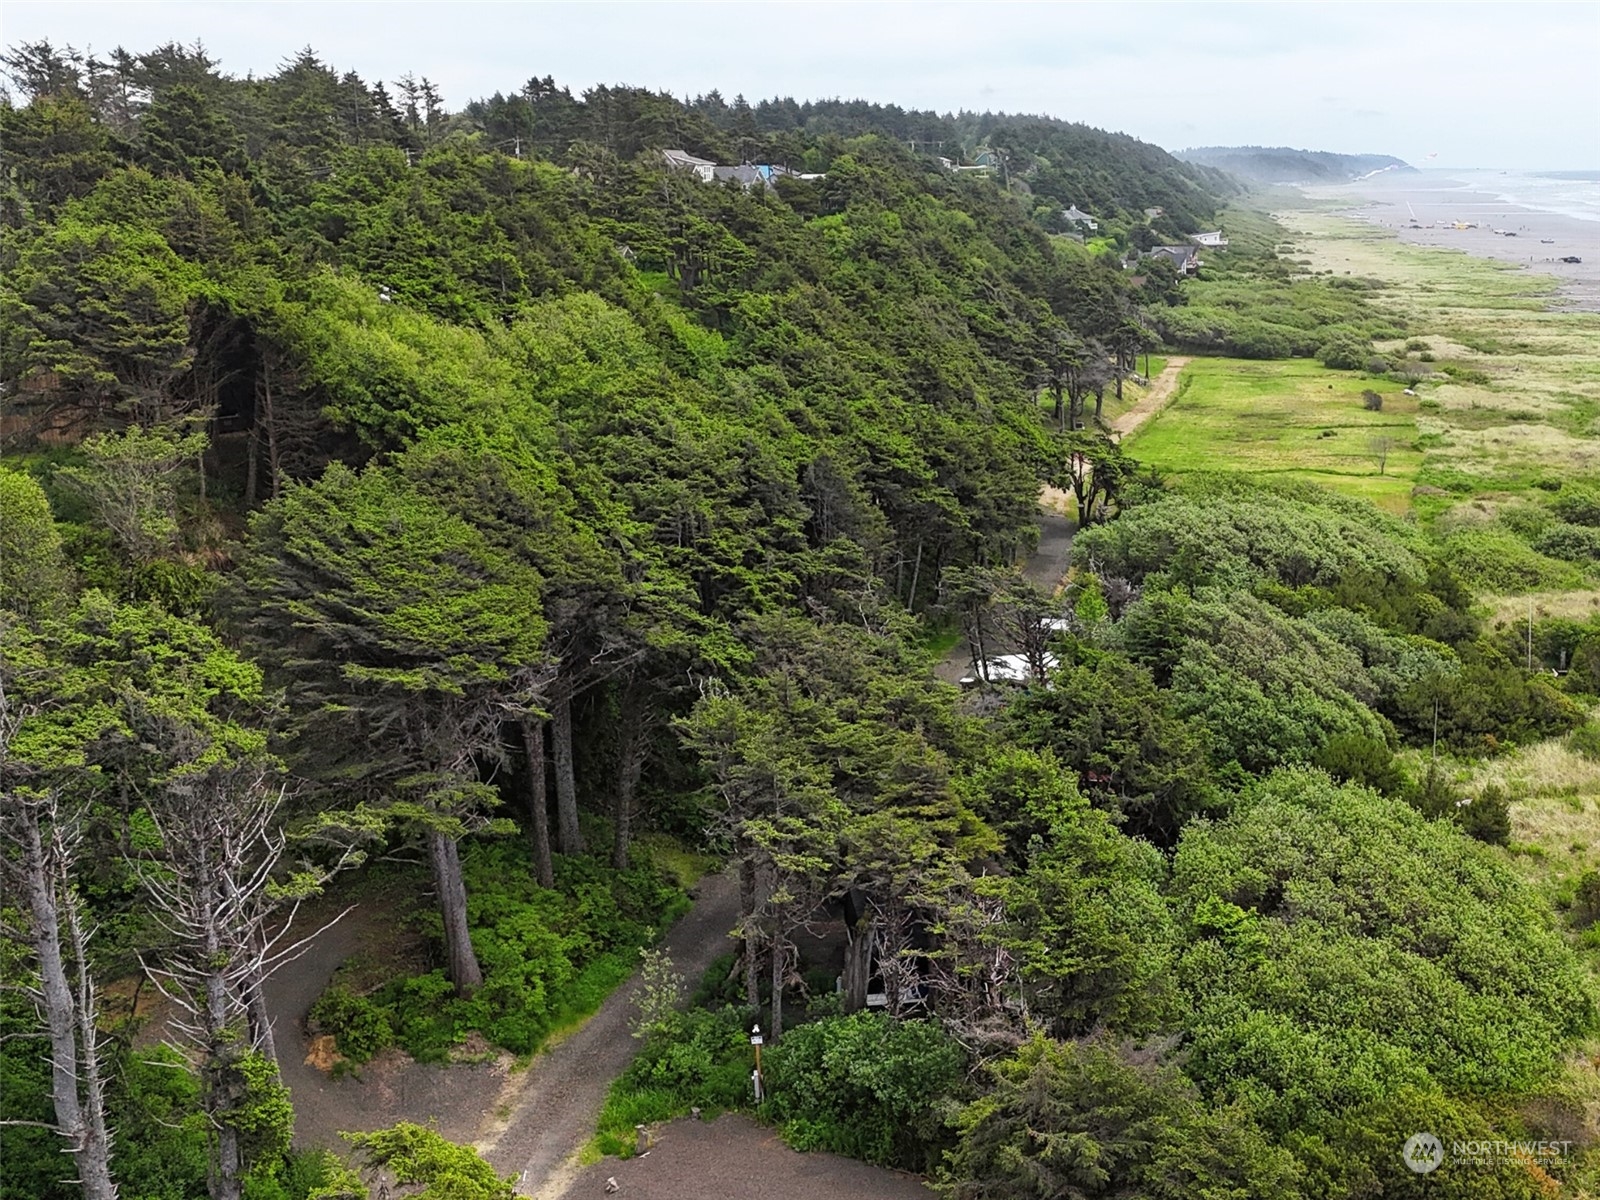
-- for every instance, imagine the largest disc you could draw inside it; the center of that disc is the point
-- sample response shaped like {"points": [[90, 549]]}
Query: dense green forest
{"points": [[468, 502]]}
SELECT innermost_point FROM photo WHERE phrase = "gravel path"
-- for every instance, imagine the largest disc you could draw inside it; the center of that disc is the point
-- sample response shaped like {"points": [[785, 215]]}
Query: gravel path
{"points": [[733, 1158], [553, 1106], [1154, 400], [388, 1089]]}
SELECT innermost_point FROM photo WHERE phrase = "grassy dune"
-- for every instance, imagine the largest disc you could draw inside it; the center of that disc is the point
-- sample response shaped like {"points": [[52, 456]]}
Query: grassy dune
{"points": [[1524, 407]]}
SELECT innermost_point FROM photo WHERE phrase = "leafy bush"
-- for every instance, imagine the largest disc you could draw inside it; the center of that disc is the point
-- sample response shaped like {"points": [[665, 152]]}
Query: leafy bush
{"points": [[443, 1170], [1484, 707], [1346, 352], [1347, 1003], [1362, 760], [1574, 543], [865, 1085], [1497, 561], [1466, 374], [547, 955], [1092, 1120], [1578, 505], [1371, 401], [359, 1026], [1232, 532], [1585, 740], [693, 1059]]}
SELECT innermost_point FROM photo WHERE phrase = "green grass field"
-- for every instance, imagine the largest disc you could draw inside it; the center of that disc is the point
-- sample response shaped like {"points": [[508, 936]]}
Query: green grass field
{"points": [[1289, 418], [1511, 406]]}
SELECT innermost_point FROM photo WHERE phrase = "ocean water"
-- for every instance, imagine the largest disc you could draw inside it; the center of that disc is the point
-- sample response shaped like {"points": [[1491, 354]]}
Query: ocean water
{"points": [[1573, 194]]}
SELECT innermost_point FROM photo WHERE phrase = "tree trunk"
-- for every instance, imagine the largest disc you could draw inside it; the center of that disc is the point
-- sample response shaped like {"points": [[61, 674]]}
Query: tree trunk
{"points": [[568, 836], [857, 965], [538, 801], [255, 1003], [226, 1185], [59, 1010], [752, 939], [269, 416], [252, 467], [780, 961], [916, 573], [461, 961], [219, 1070], [630, 765], [94, 1159]]}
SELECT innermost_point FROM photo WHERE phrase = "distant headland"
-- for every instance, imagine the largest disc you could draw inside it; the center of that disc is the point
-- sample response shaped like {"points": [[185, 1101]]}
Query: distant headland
{"points": [[1281, 164]]}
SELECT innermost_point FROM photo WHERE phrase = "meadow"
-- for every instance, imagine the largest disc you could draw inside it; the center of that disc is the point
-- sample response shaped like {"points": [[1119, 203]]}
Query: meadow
{"points": [[1288, 417]]}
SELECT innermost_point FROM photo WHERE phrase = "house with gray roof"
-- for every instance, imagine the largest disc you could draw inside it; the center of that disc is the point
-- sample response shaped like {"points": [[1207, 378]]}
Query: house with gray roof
{"points": [[682, 160]]}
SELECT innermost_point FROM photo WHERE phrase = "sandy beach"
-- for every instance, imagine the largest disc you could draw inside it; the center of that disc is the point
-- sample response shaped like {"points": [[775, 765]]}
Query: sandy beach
{"points": [[1423, 210]]}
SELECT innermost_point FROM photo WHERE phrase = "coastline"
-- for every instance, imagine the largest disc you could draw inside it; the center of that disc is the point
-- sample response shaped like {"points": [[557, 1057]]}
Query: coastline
{"points": [[1421, 211]]}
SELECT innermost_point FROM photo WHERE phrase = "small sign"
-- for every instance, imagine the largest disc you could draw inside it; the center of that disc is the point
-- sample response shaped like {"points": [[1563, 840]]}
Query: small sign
{"points": [[755, 1036]]}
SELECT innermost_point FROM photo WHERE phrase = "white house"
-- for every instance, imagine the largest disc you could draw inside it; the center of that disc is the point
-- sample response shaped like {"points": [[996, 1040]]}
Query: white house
{"points": [[1214, 238], [682, 160], [1077, 216]]}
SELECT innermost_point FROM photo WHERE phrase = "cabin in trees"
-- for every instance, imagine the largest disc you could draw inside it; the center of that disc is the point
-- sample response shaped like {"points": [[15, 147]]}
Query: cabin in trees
{"points": [[1077, 216], [753, 175], [1185, 258], [682, 160]]}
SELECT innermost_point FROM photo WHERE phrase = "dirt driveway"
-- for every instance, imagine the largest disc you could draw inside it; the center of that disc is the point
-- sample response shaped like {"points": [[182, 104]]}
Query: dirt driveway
{"points": [[733, 1158], [1157, 398]]}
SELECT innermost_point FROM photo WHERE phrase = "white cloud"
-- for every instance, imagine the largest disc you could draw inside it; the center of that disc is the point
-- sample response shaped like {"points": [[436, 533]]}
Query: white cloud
{"points": [[1500, 84]]}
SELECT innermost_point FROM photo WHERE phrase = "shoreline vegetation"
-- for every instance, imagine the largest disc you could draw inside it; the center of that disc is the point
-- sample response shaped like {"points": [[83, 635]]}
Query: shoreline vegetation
{"points": [[498, 508]]}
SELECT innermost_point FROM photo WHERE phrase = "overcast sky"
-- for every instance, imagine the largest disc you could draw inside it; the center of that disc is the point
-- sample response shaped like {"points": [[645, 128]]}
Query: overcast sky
{"points": [[1495, 85]]}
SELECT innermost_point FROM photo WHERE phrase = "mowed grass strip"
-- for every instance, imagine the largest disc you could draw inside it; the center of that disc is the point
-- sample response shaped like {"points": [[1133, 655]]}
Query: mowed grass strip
{"points": [[1289, 417]]}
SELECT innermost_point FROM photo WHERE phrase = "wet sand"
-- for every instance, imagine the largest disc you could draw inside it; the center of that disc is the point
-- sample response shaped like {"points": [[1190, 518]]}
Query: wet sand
{"points": [[1422, 210]]}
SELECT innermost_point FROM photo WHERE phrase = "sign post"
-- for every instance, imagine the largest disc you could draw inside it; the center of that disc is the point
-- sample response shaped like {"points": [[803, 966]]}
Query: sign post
{"points": [[755, 1076]]}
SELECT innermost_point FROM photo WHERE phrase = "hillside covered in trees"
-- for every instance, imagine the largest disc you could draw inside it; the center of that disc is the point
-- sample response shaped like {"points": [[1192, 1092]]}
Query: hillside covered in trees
{"points": [[1280, 164], [468, 500]]}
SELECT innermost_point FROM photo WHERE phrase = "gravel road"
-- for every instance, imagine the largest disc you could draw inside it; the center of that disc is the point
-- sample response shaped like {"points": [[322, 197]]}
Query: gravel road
{"points": [[733, 1158], [388, 1089], [553, 1106]]}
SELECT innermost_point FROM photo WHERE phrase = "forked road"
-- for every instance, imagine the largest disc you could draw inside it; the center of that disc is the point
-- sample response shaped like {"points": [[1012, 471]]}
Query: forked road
{"points": [[554, 1104]]}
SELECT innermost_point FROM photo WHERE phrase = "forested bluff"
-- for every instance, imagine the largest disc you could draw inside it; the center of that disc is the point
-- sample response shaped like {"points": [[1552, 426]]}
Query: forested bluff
{"points": [[466, 501]]}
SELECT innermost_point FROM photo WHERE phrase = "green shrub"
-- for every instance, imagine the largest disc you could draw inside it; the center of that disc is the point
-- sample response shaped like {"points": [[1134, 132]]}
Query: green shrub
{"points": [[1346, 352], [1586, 900], [865, 1085], [1574, 543], [1577, 505], [1367, 761], [1497, 560], [1488, 817], [1346, 1005], [1092, 1120], [693, 1059], [359, 1026], [1585, 740], [1466, 374], [548, 956], [443, 1170]]}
